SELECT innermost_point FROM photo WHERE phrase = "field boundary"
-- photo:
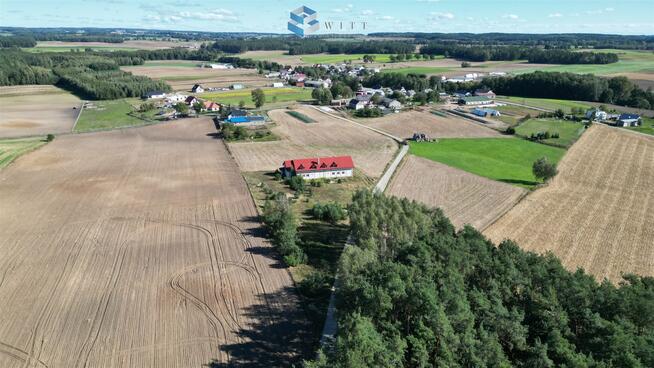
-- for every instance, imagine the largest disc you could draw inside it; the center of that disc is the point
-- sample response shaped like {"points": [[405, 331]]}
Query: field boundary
{"points": [[396, 139], [81, 110]]}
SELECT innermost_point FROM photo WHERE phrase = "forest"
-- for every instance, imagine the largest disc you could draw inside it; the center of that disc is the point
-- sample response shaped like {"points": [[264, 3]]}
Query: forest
{"points": [[569, 86], [415, 293], [89, 75], [510, 53], [17, 41], [297, 46]]}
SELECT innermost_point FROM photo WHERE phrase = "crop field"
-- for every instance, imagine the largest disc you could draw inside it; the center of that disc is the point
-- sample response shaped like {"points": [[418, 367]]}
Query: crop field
{"points": [[405, 124], [182, 76], [428, 70], [36, 110], [139, 248], [631, 61], [597, 212], [128, 45], [568, 131], [465, 198], [339, 58], [288, 94], [327, 137], [507, 160], [11, 149]]}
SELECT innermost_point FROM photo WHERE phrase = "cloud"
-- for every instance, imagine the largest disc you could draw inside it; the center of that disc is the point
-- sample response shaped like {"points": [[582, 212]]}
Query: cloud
{"points": [[221, 15], [385, 17], [599, 11], [510, 16], [609, 9], [367, 12], [428, 1], [555, 15], [441, 15], [345, 9]]}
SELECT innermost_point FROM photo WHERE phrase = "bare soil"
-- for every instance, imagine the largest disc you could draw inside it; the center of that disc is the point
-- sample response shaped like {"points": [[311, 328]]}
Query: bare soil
{"points": [[139, 248], [596, 214], [183, 78], [327, 137], [36, 110], [406, 123], [465, 198]]}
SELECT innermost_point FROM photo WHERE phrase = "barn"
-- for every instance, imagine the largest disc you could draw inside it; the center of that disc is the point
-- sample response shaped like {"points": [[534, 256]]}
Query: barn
{"points": [[319, 167]]}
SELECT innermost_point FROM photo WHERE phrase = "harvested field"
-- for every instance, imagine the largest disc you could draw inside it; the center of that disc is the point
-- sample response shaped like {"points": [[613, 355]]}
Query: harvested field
{"points": [[597, 212], [36, 110], [139, 248], [404, 124], [182, 78], [128, 44], [277, 56], [465, 198], [327, 137]]}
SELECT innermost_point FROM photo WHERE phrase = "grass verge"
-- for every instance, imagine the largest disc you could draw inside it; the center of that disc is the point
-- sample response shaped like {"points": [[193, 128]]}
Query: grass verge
{"points": [[568, 131], [11, 149]]}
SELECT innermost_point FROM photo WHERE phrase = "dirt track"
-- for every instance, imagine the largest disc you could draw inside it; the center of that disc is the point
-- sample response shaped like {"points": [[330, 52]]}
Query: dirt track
{"points": [[406, 123], [328, 137], [139, 248], [597, 212], [465, 198]]}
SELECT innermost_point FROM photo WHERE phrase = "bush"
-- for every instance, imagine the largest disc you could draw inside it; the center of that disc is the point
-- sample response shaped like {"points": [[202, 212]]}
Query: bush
{"points": [[296, 183], [543, 169], [510, 131], [329, 212], [49, 138], [280, 221]]}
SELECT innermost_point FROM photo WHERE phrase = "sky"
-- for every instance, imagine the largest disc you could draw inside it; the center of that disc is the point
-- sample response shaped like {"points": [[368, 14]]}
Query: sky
{"points": [[475, 16]]}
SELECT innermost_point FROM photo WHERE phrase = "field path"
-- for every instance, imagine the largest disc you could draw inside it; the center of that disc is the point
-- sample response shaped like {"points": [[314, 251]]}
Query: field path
{"points": [[140, 248]]}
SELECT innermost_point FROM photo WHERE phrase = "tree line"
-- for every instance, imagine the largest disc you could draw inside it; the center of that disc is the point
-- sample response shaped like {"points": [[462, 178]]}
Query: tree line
{"points": [[509, 53], [17, 41], [416, 293], [296, 46], [570, 86]]}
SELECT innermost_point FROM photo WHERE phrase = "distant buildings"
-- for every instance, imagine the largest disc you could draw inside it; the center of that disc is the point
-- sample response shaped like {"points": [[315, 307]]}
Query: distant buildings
{"points": [[237, 86], [217, 66], [486, 92], [596, 114], [210, 106], [319, 167], [485, 112], [475, 101], [626, 120], [197, 88], [154, 94]]}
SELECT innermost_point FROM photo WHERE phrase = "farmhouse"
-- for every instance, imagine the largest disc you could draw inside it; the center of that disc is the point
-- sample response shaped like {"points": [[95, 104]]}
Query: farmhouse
{"points": [[237, 86], [391, 103], [319, 167], [155, 94], [197, 89], [191, 100], [210, 106], [486, 92], [278, 85], [626, 120], [219, 66], [596, 114], [177, 97], [359, 102], [317, 83], [485, 112], [475, 100]]}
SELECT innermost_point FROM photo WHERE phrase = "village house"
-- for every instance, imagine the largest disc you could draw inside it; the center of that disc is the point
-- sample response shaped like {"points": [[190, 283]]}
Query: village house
{"points": [[391, 103], [486, 92], [596, 114], [359, 102], [319, 167], [273, 75], [485, 112], [210, 106], [197, 89], [191, 100], [278, 85], [176, 97], [237, 86], [626, 120]]}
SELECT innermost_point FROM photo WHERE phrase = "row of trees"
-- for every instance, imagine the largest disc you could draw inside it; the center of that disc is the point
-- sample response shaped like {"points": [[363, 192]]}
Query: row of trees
{"points": [[415, 293], [569, 86], [399, 81], [533, 54], [281, 223], [17, 41]]}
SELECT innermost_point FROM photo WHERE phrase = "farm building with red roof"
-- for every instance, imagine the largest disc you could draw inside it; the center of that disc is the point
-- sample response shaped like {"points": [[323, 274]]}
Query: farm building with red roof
{"points": [[319, 167]]}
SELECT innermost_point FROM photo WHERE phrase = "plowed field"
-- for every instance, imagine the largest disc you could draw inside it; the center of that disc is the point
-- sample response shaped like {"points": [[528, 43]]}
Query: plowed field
{"points": [[597, 213], [139, 248]]}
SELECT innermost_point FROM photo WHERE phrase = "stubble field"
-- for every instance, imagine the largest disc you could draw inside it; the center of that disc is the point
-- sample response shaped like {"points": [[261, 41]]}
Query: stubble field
{"points": [[404, 124], [465, 198], [327, 137], [597, 212], [36, 110], [139, 248]]}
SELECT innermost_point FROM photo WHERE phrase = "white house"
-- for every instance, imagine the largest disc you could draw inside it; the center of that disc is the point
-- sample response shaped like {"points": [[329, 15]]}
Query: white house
{"points": [[278, 85], [628, 120], [237, 86], [155, 94], [177, 97], [197, 89], [596, 114], [319, 167]]}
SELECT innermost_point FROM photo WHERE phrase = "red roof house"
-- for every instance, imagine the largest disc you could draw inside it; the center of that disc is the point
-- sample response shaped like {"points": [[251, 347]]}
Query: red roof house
{"points": [[319, 167]]}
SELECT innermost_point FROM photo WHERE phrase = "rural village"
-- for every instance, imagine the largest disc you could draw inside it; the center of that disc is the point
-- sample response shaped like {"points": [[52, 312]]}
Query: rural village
{"points": [[189, 199]]}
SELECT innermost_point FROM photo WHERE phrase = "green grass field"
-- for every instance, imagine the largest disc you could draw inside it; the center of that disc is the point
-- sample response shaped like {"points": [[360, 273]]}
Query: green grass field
{"points": [[504, 159], [418, 70], [11, 149], [568, 131], [282, 95], [179, 63], [108, 115], [630, 61], [339, 58], [647, 127], [545, 103]]}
